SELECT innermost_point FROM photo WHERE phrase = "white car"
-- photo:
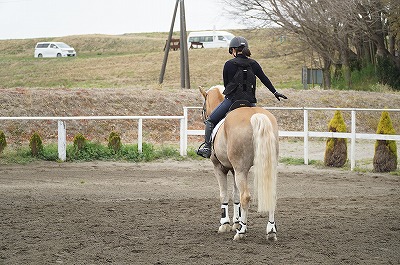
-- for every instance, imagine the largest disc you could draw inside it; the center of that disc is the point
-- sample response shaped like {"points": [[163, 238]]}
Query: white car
{"points": [[53, 49], [209, 39]]}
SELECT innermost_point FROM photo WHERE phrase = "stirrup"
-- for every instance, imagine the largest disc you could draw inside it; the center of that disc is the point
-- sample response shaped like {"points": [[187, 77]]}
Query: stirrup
{"points": [[204, 151]]}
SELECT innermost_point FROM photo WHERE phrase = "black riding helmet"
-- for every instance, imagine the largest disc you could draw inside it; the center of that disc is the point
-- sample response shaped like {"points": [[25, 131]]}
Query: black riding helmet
{"points": [[237, 42]]}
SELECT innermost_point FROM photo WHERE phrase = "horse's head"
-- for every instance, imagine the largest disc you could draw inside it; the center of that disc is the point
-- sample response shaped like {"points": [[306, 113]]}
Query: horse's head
{"points": [[212, 98]]}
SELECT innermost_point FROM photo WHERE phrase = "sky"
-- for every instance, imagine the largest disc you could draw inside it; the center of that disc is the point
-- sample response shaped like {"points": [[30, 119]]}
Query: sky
{"points": [[23, 19]]}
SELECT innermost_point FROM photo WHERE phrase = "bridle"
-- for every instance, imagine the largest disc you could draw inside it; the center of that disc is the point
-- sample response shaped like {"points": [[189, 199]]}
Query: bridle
{"points": [[204, 109]]}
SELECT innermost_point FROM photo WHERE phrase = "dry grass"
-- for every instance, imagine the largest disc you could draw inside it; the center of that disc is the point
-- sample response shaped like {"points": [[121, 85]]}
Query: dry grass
{"points": [[135, 60], [118, 75]]}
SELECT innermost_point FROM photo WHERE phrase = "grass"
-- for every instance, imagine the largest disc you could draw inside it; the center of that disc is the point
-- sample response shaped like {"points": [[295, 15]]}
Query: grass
{"points": [[96, 151], [93, 151], [297, 161], [134, 60]]}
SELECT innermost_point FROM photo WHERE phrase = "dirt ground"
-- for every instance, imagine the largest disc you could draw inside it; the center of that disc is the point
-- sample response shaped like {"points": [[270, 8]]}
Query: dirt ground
{"points": [[168, 213]]}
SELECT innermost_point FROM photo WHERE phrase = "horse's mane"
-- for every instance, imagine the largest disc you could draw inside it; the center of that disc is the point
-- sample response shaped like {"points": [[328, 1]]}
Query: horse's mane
{"points": [[217, 88]]}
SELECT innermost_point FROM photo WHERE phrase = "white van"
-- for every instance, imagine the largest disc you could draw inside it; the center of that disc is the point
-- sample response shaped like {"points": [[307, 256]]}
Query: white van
{"points": [[209, 39], [53, 49]]}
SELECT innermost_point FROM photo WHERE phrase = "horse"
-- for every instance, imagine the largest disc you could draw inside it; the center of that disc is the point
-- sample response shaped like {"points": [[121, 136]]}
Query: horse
{"points": [[247, 138]]}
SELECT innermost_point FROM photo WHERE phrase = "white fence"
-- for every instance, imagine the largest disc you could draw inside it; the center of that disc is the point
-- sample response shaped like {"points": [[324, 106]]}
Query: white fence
{"points": [[62, 134], [184, 131], [306, 133]]}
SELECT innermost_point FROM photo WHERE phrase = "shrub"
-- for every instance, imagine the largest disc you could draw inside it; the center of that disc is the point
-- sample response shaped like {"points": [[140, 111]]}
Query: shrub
{"points": [[114, 142], [3, 142], [388, 72], [385, 157], [89, 151], [336, 148], [36, 145], [79, 142]]}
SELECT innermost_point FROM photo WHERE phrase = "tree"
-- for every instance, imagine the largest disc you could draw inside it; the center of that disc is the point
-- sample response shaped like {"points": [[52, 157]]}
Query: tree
{"points": [[339, 31]]}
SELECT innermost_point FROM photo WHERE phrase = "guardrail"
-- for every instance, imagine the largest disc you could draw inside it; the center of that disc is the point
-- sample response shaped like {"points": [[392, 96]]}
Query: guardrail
{"points": [[306, 133]]}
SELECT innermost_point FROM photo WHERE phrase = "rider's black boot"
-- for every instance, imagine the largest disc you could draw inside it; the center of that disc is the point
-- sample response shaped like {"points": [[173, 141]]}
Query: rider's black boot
{"points": [[205, 148]]}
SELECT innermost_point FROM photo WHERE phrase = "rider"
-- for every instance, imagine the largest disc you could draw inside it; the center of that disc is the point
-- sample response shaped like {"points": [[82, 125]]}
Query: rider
{"points": [[234, 88]]}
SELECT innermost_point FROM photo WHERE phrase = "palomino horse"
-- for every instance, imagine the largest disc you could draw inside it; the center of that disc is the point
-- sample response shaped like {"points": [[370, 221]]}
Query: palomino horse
{"points": [[248, 137]]}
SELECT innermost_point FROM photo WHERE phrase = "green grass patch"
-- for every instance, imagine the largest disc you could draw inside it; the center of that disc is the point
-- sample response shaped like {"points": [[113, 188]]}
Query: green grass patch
{"points": [[297, 161], [92, 151]]}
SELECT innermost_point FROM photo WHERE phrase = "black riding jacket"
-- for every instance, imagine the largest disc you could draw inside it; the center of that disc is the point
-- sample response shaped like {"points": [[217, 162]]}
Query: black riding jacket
{"points": [[230, 70]]}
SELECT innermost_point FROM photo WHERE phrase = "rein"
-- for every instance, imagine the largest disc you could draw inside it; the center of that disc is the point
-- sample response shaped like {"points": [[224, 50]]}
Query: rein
{"points": [[204, 110]]}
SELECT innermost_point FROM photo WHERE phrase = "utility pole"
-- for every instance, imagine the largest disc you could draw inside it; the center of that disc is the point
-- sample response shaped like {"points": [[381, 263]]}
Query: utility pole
{"points": [[184, 60]]}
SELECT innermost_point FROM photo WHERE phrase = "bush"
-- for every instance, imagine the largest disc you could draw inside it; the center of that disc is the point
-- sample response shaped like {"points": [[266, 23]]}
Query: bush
{"points": [[88, 151], [114, 142], [3, 142], [388, 72], [36, 145], [79, 142], [336, 148], [385, 157]]}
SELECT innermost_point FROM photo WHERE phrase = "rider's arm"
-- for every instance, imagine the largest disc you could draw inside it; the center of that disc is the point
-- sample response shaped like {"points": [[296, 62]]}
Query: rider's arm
{"points": [[263, 78]]}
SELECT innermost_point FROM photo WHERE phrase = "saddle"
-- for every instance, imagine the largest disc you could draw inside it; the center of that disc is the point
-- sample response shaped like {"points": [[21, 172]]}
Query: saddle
{"points": [[241, 103], [237, 104]]}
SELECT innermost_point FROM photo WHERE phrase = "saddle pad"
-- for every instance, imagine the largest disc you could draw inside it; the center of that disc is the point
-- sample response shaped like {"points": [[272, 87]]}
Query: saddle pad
{"points": [[216, 128]]}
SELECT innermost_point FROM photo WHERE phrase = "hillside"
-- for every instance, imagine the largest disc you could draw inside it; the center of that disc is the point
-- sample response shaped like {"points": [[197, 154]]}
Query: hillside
{"points": [[134, 60], [138, 101], [118, 75]]}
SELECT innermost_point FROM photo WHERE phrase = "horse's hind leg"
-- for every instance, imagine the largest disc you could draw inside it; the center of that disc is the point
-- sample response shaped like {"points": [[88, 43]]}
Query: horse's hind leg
{"points": [[236, 206], [241, 182], [271, 227], [221, 174]]}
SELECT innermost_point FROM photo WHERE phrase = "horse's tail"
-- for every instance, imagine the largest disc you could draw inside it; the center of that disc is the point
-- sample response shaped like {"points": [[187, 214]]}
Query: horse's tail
{"points": [[265, 162]]}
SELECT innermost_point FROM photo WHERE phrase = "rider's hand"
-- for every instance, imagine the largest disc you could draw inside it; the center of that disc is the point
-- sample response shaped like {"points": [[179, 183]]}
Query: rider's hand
{"points": [[279, 95]]}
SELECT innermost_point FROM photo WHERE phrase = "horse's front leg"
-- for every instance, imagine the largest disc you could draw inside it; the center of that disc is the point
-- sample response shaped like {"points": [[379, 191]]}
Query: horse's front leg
{"points": [[221, 175]]}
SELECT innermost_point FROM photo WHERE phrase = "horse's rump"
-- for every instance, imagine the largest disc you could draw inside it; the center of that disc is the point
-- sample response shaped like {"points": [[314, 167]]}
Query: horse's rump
{"points": [[251, 136]]}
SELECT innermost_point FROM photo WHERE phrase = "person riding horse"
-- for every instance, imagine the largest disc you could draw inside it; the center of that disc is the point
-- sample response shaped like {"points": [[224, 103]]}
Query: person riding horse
{"points": [[240, 84]]}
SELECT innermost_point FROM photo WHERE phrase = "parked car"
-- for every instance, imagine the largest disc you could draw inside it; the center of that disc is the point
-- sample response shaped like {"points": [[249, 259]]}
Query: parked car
{"points": [[53, 49], [210, 39]]}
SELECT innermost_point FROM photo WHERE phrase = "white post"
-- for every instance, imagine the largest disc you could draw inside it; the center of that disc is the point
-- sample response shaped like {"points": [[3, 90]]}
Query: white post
{"points": [[305, 137], [353, 141], [182, 148], [140, 137], [185, 134], [62, 141]]}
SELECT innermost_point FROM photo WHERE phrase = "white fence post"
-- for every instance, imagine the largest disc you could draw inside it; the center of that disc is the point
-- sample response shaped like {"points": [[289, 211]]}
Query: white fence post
{"points": [[353, 140], [140, 135], [184, 132], [305, 137], [182, 138], [62, 141]]}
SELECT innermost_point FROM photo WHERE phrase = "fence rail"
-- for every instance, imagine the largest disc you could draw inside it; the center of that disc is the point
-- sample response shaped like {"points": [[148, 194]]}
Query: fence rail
{"points": [[306, 133], [62, 134], [184, 132]]}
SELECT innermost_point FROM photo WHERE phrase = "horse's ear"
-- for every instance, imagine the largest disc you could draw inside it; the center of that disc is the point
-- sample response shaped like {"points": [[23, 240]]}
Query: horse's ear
{"points": [[203, 92]]}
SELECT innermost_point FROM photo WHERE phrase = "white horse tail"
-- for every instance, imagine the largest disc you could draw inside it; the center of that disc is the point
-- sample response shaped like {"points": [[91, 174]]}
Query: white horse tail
{"points": [[265, 162]]}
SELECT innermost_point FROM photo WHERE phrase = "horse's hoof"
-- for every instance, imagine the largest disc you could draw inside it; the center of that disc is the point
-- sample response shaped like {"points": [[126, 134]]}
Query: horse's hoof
{"points": [[235, 226], [272, 237], [239, 237], [224, 228], [271, 231]]}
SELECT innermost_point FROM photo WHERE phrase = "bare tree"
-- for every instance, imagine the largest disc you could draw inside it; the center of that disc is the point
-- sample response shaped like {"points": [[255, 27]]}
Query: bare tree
{"points": [[337, 30]]}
